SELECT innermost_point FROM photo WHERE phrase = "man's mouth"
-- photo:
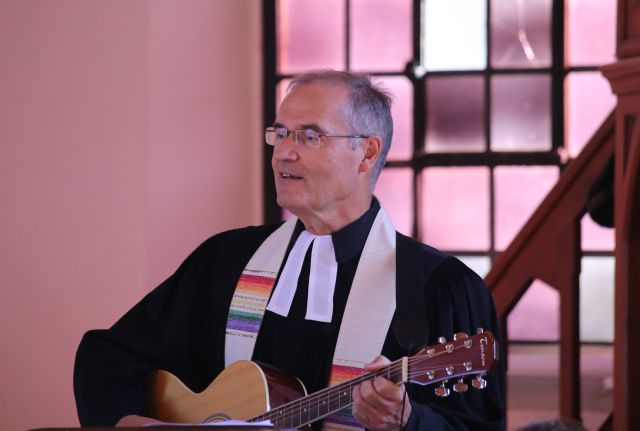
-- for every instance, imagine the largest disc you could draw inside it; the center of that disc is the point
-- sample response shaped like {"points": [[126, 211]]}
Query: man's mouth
{"points": [[289, 176]]}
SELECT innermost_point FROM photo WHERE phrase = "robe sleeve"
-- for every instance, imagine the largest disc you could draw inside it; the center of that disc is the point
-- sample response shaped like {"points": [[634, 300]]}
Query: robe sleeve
{"points": [[178, 327], [456, 300]]}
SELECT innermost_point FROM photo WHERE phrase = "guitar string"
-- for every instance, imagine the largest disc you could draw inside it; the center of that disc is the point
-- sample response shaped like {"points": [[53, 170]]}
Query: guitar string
{"points": [[331, 393], [298, 416], [293, 409]]}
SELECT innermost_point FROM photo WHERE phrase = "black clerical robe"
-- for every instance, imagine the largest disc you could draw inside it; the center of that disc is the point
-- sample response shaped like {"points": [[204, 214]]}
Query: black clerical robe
{"points": [[180, 327]]}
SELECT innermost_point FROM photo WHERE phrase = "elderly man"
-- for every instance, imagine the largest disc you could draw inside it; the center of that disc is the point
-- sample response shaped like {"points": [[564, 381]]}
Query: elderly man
{"points": [[320, 297]]}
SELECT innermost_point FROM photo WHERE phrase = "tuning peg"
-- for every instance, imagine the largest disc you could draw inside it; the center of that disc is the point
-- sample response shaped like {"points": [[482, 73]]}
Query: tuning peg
{"points": [[460, 336], [442, 340], [442, 391], [460, 386], [479, 331], [478, 382]]}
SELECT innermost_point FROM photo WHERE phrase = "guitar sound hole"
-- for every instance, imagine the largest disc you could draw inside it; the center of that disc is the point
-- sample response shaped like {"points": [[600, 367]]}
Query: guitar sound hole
{"points": [[217, 417]]}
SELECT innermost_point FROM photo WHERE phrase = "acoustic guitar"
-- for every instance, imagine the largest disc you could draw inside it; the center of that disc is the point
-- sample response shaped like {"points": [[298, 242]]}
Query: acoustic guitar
{"points": [[254, 392]]}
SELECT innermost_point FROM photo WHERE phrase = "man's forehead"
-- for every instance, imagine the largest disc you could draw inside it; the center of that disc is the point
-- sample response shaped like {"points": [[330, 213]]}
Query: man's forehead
{"points": [[314, 100]]}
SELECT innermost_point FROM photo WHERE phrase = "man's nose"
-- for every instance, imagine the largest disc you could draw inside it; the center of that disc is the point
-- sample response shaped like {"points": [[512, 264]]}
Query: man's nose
{"points": [[287, 149]]}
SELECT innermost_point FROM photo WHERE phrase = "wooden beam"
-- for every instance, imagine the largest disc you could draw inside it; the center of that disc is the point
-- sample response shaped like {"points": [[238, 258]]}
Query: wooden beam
{"points": [[569, 381]]}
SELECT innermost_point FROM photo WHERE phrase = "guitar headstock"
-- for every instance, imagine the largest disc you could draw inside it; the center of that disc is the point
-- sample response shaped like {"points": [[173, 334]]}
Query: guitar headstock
{"points": [[463, 356]]}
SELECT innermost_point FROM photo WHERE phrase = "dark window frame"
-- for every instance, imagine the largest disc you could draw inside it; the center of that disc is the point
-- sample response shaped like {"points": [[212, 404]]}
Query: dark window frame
{"points": [[420, 159]]}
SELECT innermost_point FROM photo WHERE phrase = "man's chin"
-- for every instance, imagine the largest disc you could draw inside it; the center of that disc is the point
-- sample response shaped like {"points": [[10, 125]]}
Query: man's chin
{"points": [[289, 205]]}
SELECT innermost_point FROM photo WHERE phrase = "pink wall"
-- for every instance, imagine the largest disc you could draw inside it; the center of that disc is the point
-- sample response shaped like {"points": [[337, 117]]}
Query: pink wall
{"points": [[204, 96], [129, 132]]}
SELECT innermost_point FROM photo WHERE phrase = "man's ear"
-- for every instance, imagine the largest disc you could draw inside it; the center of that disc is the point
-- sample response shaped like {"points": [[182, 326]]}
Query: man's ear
{"points": [[372, 147]]}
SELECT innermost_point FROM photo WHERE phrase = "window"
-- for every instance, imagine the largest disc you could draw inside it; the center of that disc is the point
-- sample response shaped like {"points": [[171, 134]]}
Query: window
{"points": [[491, 98]]}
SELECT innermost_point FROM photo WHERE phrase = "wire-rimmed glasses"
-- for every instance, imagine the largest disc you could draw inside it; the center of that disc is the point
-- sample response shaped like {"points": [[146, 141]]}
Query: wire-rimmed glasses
{"points": [[306, 137]]}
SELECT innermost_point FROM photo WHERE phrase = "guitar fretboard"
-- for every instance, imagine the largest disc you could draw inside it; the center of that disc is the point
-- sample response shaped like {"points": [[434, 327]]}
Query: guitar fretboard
{"points": [[325, 402]]}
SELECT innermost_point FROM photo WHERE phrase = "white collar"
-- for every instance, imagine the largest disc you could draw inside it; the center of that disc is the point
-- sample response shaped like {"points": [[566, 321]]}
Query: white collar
{"points": [[322, 278]]}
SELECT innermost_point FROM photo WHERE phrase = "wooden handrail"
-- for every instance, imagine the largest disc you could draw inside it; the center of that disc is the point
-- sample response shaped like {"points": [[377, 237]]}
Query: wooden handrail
{"points": [[548, 248], [564, 205]]}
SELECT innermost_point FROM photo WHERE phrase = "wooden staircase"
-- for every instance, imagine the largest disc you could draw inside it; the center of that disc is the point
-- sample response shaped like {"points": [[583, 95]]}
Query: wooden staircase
{"points": [[548, 247]]}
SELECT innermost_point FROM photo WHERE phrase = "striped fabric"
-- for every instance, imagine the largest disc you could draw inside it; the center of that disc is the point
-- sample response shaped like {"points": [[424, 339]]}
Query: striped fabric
{"points": [[249, 303], [343, 420], [252, 294]]}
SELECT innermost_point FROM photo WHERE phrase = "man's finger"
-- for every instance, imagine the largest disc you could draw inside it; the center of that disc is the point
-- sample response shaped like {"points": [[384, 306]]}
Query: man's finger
{"points": [[378, 363]]}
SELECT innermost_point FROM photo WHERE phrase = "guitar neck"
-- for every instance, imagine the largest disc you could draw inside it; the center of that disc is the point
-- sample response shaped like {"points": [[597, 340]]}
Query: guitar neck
{"points": [[328, 401]]}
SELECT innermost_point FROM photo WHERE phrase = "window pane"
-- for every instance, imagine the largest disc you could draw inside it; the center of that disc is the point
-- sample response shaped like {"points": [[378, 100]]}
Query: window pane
{"points": [[381, 34], [394, 190], [310, 35], [519, 191], [596, 237], [479, 264], [455, 121], [455, 208], [597, 299], [521, 33], [520, 113], [589, 101], [590, 32], [536, 316], [455, 34], [402, 113]]}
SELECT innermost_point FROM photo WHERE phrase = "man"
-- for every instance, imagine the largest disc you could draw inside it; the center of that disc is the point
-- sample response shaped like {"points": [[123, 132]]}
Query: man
{"points": [[317, 296]]}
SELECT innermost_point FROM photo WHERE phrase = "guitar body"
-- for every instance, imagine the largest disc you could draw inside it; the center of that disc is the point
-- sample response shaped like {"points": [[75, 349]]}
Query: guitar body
{"points": [[242, 391]]}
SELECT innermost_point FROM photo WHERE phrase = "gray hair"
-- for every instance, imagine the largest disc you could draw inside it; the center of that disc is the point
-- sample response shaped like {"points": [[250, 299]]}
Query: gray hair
{"points": [[368, 109]]}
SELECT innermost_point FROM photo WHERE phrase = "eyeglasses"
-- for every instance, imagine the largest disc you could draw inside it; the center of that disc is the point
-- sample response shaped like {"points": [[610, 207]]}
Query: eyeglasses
{"points": [[306, 137]]}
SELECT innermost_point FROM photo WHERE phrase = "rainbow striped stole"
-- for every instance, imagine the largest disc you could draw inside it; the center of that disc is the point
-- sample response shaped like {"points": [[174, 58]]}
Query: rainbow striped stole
{"points": [[252, 294], [245, 314], [368, 313], [343, 420]]}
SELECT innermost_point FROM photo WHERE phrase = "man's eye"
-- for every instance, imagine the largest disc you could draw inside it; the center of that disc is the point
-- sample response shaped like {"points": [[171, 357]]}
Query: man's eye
{"points": [[282, 133], [309, 135]]}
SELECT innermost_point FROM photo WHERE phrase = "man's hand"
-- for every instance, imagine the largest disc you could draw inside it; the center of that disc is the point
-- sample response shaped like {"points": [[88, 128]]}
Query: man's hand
{"points": [[377, 403], [136, 421]]}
